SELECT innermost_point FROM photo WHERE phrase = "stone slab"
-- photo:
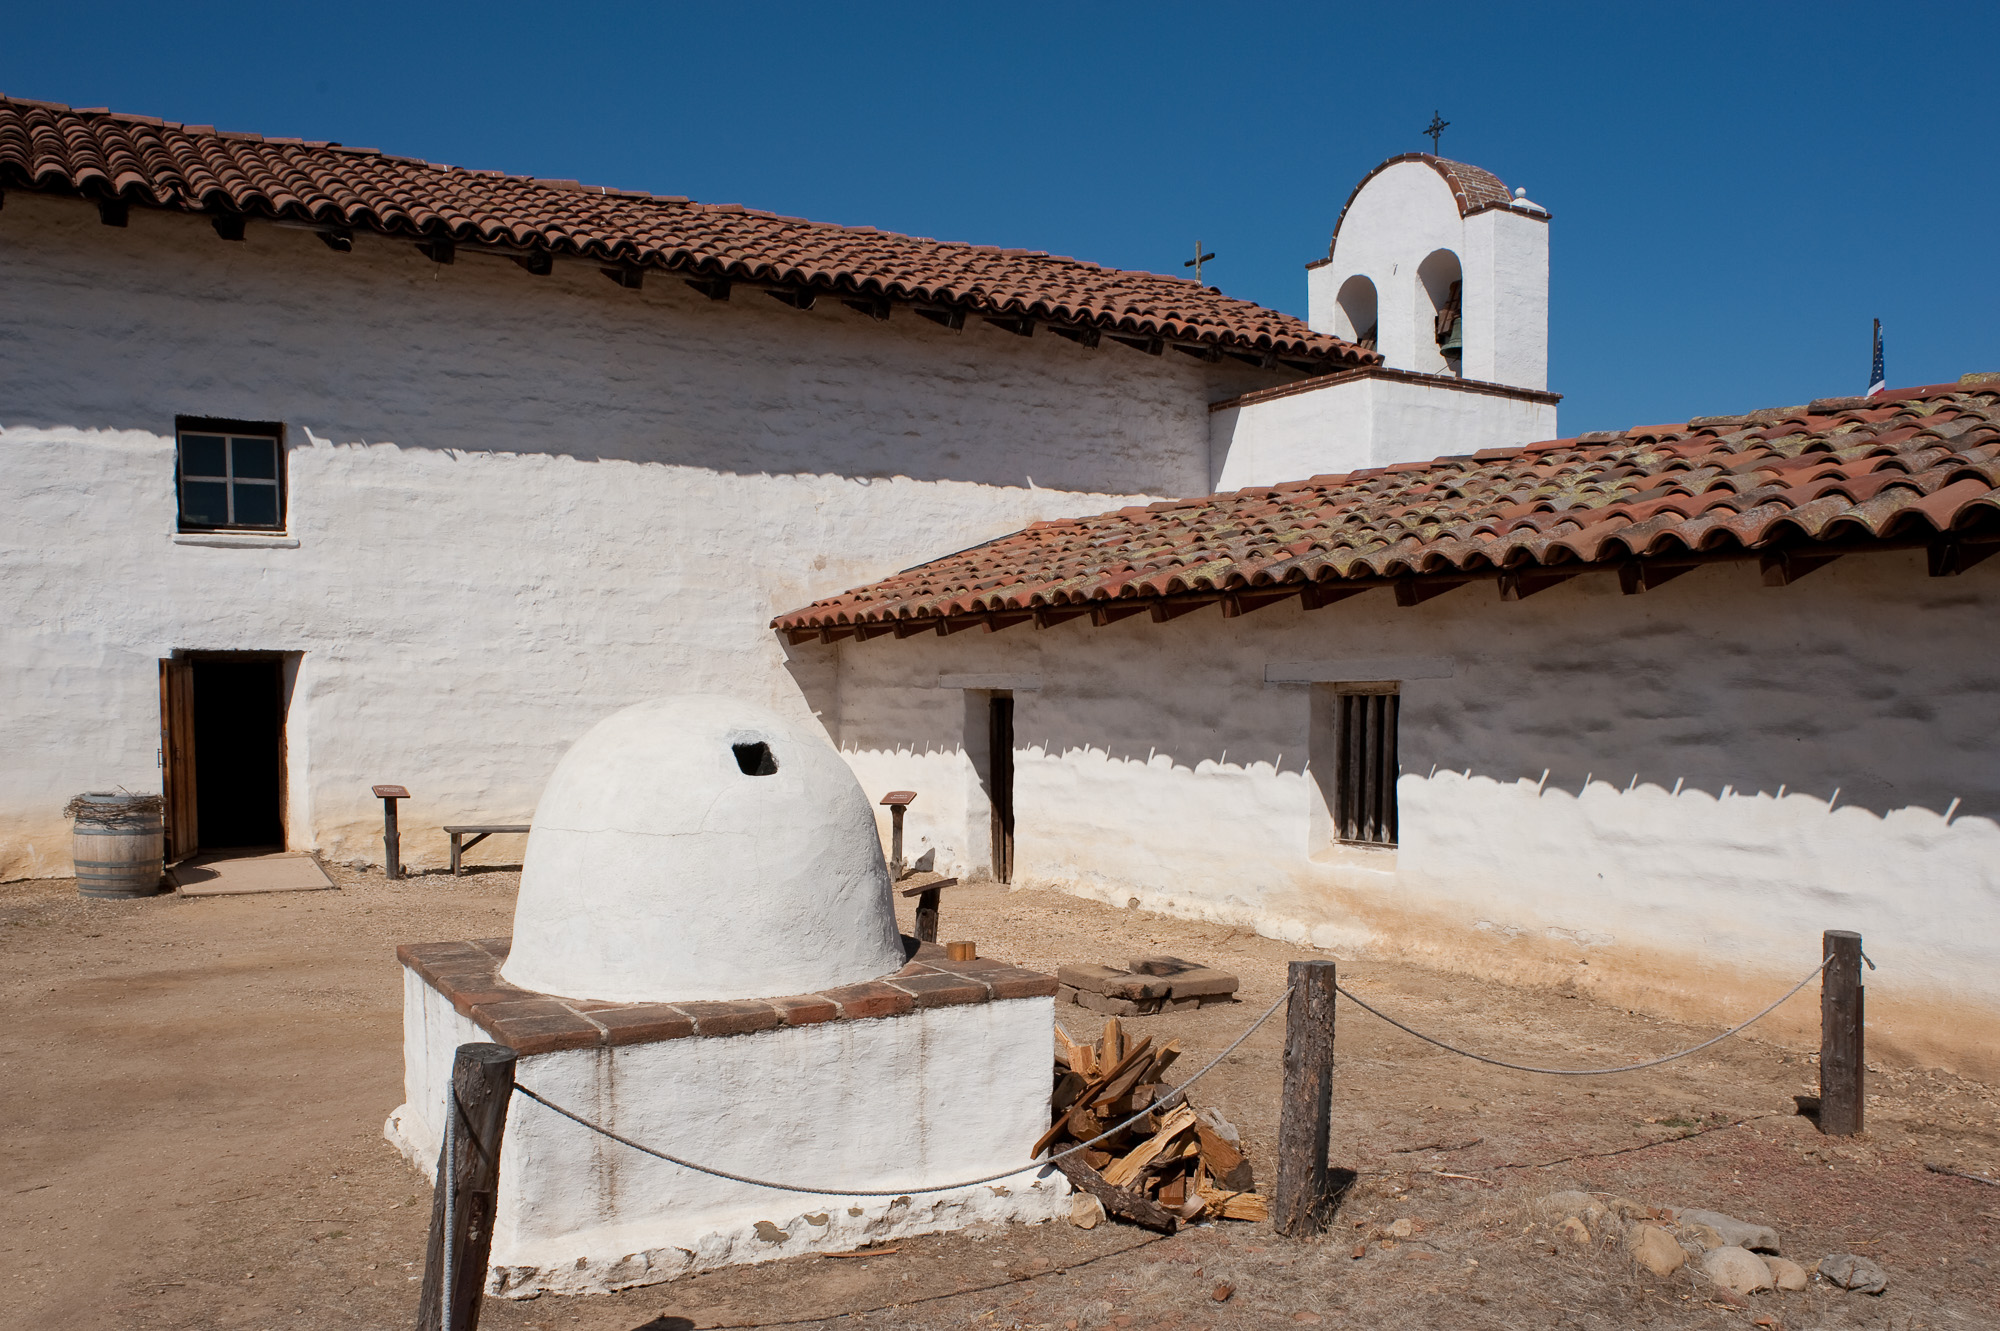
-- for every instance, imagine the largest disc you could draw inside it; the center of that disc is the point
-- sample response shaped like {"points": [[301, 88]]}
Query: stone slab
{"points": [[242, 875]]}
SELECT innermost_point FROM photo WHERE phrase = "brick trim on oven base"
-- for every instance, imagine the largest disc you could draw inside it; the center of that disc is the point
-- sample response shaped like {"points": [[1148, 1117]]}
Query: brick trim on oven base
{"points": [[468, 974]]}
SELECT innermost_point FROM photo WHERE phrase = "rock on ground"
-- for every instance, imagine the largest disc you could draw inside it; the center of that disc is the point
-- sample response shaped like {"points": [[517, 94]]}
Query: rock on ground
{"points": [[1733, 1232], [1737, 1270], [1786, 1275], [1856, 1273], [1655, 1249]]}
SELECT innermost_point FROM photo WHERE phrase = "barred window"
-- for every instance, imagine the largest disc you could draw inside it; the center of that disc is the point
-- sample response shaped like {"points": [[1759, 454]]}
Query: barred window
{"points": [[230, 475], [1357, 763]]}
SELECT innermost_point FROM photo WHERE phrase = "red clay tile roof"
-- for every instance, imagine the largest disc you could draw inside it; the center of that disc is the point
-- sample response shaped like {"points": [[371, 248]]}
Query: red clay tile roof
{"points": [[1474, 187], [53, 149], [1793, 486]]}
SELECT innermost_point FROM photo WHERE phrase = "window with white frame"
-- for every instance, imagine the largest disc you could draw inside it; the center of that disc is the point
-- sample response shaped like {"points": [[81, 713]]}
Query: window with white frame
{"points": [[230, 475]]}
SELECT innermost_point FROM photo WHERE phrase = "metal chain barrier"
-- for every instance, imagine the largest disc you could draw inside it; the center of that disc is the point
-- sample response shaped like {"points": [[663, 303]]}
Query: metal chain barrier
{"points": [[1164, 1102], [1588, 1072]]}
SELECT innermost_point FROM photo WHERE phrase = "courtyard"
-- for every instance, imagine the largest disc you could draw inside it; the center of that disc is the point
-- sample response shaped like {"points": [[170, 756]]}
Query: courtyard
{"points": [[196, 1090]]}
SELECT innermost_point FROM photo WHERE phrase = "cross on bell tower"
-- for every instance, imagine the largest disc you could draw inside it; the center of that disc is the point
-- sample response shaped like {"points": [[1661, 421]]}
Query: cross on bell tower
{"points": [[1437, 127]]}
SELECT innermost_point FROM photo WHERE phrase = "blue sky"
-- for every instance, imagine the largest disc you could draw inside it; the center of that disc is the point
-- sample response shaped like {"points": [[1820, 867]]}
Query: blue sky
{"points": [[1737, 189]]}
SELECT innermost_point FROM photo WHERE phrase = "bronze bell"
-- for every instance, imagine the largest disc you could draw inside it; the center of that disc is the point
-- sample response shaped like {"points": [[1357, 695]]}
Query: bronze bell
{"points": [[1454, 341]]}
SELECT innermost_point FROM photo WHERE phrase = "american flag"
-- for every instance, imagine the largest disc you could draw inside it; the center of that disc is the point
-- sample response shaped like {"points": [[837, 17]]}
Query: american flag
{"points": [[1876, 382]]}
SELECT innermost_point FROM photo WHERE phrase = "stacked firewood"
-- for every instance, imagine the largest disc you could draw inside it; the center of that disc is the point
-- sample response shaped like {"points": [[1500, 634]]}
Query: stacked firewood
{"points": [[1170, 1166]]}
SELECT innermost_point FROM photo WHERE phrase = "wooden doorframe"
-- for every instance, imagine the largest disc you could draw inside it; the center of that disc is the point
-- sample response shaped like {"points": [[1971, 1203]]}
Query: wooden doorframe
{"points": [[177, 756]]}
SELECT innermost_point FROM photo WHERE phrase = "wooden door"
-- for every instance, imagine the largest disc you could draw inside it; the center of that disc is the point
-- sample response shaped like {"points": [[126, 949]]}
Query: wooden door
{"points": [[1000, 750], [177, 757]]}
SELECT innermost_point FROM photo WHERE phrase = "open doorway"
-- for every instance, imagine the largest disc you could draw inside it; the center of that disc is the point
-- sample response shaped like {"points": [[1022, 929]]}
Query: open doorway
{"points": [[223, 749], [1000, 781]]}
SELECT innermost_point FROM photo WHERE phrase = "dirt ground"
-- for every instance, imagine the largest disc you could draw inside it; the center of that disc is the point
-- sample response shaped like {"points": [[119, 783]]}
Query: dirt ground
{"points": [[194, 1093]]}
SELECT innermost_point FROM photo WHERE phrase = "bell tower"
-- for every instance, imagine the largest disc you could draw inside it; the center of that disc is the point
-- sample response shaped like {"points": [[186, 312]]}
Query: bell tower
{"points": [[1445, 269], [1435, 265]]}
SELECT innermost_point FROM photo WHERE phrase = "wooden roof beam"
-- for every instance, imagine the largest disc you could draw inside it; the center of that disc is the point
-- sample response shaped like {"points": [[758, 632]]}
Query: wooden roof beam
{"points": [[1519, 585], [1083, 336], [1949, 558], [1636, 575], [1782, 568], [1237, 604], [1102, 616]]}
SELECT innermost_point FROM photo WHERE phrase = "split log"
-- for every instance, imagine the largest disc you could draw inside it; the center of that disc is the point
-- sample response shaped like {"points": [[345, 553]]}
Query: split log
{"points": [[1128, 1168], [1132, 1206]]}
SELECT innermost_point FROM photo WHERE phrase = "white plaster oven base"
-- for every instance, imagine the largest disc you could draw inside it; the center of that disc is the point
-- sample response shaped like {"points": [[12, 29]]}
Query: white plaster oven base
{"points": [[931, 1095]]}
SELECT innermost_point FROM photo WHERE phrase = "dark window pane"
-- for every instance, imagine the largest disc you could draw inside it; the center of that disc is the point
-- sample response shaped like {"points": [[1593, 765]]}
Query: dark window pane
{"points": [[203, 503], [256, 505], [201, 455], [256, 457]]}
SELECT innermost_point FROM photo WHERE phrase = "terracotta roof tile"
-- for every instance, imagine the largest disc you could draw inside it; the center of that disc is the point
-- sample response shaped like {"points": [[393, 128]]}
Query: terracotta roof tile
{"points": [[142, 160], [1911, 467], [1474, 188]]}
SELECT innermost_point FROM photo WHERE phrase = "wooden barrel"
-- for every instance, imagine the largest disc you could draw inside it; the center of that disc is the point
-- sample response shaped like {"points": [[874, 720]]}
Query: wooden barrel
{"points": [[120, 844]]}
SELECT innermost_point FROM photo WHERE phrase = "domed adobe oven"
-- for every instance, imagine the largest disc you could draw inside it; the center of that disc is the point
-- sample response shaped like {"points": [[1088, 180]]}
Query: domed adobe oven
{"points": [[705, 959]]}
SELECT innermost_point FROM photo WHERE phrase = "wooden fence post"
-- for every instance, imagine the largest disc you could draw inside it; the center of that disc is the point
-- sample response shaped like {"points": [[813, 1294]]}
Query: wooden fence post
{"points": [[1306, 1110], [1840, 1045], [482, 1083]]}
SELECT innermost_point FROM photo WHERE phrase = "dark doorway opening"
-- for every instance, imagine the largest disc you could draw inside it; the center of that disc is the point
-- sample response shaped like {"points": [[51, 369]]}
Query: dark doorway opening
{"points": [[1000, 782], [239, 751]]}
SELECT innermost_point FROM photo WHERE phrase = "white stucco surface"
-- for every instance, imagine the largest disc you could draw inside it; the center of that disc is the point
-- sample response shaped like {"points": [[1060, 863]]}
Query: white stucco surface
{"points": [[935, 1096], [658, 869], [1344, 427], [515, 503], [1662, 798], [1401, 217]]}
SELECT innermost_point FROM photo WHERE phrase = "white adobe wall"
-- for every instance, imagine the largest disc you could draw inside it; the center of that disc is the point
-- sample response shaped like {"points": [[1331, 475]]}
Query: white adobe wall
{"points": [[1403, 215], [1664, 798], [1368, 422], [1506, 261], [516, 503], [934, 1096]]}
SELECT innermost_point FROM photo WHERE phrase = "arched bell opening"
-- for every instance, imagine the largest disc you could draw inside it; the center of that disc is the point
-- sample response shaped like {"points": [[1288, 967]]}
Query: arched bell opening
{"points": [[1441, 314], [1355, 316]]}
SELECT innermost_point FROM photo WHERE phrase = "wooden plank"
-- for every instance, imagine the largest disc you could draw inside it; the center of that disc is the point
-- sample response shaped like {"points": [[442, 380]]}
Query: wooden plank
{"points": [[1069, 1088], [1305, 1109], [1119, 1201]]}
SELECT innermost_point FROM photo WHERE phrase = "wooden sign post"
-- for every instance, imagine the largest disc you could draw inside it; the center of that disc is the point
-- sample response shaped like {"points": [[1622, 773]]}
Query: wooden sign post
{"points": [[392, 840]]}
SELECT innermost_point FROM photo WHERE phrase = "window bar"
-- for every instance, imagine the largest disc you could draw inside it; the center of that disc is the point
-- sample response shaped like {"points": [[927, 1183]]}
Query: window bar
{"points": [[1392, 705], [1371, 758], [1350, 770]]}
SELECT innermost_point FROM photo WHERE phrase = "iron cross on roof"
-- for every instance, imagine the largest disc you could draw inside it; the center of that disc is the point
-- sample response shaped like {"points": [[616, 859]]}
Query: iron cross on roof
{"points": [[1197, 261], [1437, 126]]}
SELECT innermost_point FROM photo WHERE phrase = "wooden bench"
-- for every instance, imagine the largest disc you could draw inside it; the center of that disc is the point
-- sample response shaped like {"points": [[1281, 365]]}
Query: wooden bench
{"points": [[478, 832]]}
